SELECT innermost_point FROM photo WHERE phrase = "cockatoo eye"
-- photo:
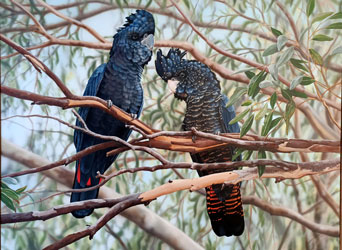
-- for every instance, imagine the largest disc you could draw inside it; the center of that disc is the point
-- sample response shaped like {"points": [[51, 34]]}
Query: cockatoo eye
{"points": [[135, 36], [182, 74]]}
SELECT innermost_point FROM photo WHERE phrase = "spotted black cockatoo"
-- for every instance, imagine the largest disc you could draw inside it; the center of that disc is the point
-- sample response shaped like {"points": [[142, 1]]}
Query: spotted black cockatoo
{"points": [[194, 83], [118, 82]]}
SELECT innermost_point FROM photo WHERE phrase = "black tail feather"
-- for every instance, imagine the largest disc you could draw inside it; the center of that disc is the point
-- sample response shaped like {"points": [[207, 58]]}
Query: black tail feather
{"points": [[226, 215], [82, 196]]}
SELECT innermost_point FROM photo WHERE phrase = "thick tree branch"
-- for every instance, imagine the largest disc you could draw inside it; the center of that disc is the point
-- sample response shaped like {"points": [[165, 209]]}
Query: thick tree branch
{"points": [[174, 142], [140, 215], [32, 160]]}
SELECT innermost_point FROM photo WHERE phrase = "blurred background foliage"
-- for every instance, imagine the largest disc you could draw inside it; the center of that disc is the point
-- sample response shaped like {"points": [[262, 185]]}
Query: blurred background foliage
{"points": [[235, 26]]}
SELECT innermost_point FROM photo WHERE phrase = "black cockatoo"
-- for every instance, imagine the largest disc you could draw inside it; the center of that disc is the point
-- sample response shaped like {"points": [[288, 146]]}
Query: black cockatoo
{"points": [[119, 82], [194, 83]]}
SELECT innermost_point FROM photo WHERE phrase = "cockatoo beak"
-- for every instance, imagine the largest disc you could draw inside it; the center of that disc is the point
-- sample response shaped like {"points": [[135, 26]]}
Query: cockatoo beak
{"points": [[172, 84]]}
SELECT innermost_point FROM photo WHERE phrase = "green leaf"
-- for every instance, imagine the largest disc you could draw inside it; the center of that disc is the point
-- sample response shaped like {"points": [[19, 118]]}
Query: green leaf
{"points": [[247, 155], [310, 7], [289, 111], [338, 50], [334, 26], [298, 64], [321, 37], [246, 103], [10, 181], [273, 69], [276, 32], [243, 70], [307, 81], [236, 95], [267, 124], [285, 56], [249, 74], [239, 117], [273, 99], [261, 168], [270, 50], [286, 94], [316, 57], [237, 153], [338, 15], [7, 201], [247, 126], [261, 113], [148, 4], [3, 185], [275, 122], [187, 3], [297, 80], [20, 190], [265, 84], [321, 16], [253, 87], [298, 94], [281, 42], [10, 193]]}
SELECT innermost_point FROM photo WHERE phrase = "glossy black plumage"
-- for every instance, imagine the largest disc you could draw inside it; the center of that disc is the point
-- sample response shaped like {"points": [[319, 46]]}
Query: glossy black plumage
{"points": [[206, 111], [118, 80]]}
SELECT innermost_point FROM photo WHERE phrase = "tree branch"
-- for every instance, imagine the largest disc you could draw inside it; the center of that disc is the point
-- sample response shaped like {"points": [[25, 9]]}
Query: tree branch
{"points": [[140, 215]]}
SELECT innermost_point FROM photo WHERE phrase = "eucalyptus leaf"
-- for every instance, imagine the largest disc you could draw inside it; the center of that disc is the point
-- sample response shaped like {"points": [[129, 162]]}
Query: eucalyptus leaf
{"points": [[297, 80], [321, 37], [316, 57], [337, 50], [310, 7], [246, 103], [10, 193], [298, 64], [249, 74], [7, 201], [281, 42], [321, 16], [285, 56], [247, 155], [237, 153], [338, 15], [298, 94], [275, 122], [267, 124], [270, 50], [261, 168], [10, 181], [253, 86], [239, 116], [289, 111], [273, 69], [262, 112], [247, 125], [236, 96], [286, 94], [265, 84], [307, 80], [334, 26], [276, 32], [243, 70], [273, 99]]}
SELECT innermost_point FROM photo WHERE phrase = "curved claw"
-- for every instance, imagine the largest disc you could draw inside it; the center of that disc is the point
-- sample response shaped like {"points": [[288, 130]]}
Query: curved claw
{"points": [[109, 104]]}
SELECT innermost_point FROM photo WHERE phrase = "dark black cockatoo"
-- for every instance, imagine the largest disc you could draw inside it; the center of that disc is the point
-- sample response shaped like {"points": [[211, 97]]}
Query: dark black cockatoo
{"points": [[194, 83], [119, 82]]}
